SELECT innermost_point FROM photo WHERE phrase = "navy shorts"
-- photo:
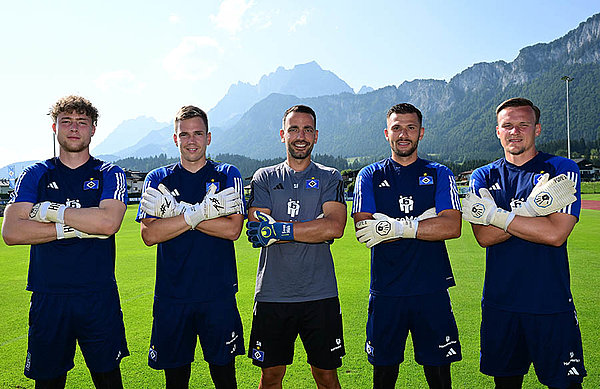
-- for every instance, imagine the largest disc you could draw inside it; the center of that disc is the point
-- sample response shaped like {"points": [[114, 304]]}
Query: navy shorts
{"points": [[177, 325], [57, 322], [275, 327], [511, 341], [429, 319]]}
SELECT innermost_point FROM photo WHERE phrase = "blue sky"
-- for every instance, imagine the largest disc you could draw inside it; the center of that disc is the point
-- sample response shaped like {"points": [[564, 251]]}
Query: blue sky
{"points": [[133, 58]]}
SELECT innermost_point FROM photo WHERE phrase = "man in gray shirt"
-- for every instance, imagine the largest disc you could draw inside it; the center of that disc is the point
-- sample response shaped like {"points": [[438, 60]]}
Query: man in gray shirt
{"points": [[299, 206]]}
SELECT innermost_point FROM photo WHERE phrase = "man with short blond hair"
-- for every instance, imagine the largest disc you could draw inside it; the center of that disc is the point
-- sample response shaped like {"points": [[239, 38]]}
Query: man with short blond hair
{"points": [[523, 207]]}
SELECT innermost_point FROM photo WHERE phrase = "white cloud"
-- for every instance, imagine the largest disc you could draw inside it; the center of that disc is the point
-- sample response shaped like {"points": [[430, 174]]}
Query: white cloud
{"points": [[122, 80], [300, 22], [262, 20], [229, 17], [195, 58], [174, 19]]}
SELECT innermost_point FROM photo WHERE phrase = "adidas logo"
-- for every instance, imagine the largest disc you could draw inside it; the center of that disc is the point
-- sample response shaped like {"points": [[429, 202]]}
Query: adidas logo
{"points": [[278, 186], [573, 371], [53, 185], [496, 186], [450, 353], [384, 184], [175, 192]]}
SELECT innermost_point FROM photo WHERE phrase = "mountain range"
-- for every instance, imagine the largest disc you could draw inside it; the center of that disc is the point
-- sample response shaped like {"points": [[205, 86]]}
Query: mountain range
{"points": [[458, 114]]}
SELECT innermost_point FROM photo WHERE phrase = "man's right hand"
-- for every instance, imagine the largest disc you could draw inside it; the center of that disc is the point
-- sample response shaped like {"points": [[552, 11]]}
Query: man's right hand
{"points": [[48, 212], [548, 196], [214, 205], [160, 203]]}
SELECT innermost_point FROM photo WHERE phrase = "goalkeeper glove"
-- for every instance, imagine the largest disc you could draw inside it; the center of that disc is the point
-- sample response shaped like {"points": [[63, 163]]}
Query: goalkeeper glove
{"points": [[483, 210], [161, 203], [374, 231], [64, 231], [382, 228], [48, 212], [266, 230], [547, 196], [213, 205]]}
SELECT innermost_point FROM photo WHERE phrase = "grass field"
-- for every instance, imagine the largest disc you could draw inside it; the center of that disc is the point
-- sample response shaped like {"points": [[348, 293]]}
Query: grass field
{"points": [[135, 277]]}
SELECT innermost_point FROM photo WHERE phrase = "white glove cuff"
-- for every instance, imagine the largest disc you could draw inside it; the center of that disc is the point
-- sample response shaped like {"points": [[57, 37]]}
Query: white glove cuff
{"points": [[502, 219], [410, 229], [60, 234], [60, 214], [194, 215]]}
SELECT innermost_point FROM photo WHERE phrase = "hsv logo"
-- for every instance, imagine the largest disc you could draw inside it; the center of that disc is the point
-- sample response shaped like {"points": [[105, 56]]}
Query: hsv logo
{"points": [[313, 183], [425, 180], [152, 354], [91, 184], [258, 355]]}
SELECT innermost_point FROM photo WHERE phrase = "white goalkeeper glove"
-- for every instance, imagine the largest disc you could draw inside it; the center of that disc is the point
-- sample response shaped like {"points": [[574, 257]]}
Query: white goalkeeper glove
{"points": [[382, 228], [547, 196], [483, 210], [161, 203], [48, 212], [64, 231], [214, 205]]}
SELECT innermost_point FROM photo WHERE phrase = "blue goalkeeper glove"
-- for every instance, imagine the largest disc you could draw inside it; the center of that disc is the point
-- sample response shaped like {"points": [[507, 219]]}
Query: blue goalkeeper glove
{"points": [[266, 230]]}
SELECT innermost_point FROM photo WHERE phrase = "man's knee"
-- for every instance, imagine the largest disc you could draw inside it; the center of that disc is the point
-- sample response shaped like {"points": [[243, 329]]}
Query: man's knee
{"points": [[272, 376], [108, 380], [325, 378]]}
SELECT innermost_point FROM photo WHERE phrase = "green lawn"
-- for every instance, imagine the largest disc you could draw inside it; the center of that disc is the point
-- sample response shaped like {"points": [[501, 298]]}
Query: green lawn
{"points": [[135, 277]]}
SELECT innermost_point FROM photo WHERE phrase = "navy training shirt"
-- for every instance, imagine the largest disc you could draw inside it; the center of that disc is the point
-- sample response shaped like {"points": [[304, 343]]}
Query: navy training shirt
{"points": [[194, 266], [407, 267], [523, 276], [73, 265]]}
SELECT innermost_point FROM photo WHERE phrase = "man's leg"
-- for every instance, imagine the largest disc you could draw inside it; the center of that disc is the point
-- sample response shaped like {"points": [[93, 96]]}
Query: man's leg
{"points": [[385, 377], [178, 377], [108, 380], [55, 383], [514, 382], [325, 379], [271, 377], [438, 377], [223, 376]]}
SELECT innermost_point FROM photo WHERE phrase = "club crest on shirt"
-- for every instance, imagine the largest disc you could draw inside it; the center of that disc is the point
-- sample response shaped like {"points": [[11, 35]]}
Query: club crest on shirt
{"points": [[212, 182], [312, 183], [425, 180], [91, 184]]}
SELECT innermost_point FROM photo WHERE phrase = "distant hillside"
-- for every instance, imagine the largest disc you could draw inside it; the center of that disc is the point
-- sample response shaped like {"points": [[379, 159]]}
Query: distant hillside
{"points": [[306, 80], [128, 133], [459, 114]]}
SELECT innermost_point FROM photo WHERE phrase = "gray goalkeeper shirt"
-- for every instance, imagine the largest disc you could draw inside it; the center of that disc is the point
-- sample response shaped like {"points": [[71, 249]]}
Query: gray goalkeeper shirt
{"points": [[294, 271]]}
